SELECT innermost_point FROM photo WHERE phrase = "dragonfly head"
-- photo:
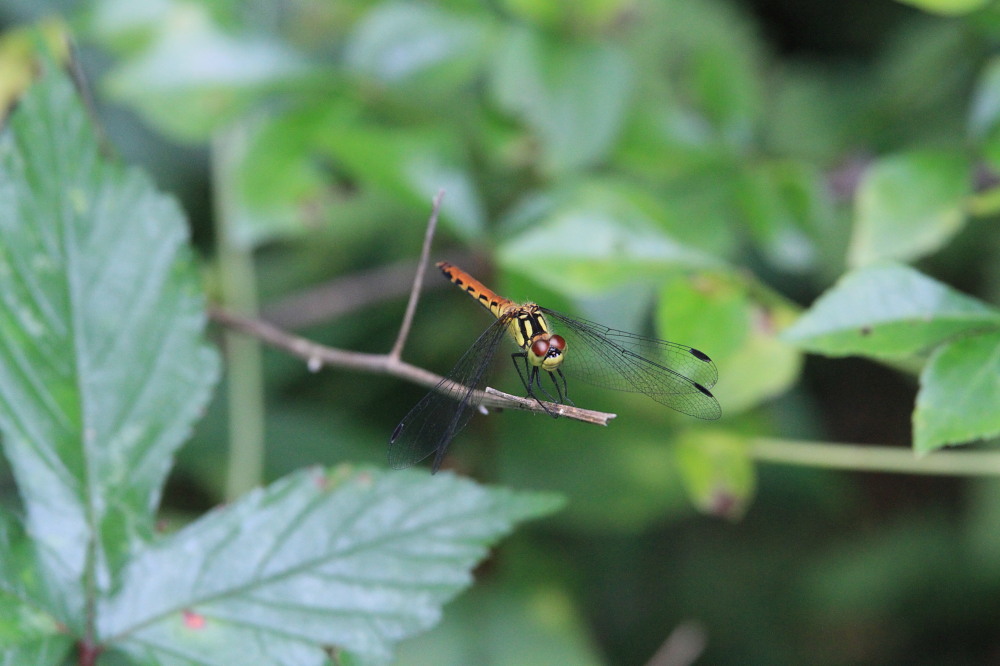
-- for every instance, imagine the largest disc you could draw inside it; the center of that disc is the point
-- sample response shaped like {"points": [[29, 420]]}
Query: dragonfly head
{"points": [[546, 351]]}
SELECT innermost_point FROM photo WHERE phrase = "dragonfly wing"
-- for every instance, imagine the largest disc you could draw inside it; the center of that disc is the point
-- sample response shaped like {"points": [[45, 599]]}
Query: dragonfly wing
{"points": [[672, 374], [432, 423]]}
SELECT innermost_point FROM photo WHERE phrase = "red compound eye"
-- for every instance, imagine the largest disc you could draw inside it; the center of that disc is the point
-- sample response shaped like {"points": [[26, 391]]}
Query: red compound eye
{"points": [[558, 342], [540, 348]]}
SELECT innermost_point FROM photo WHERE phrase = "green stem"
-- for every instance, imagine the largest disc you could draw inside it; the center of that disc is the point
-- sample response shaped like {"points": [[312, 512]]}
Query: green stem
{"points": [[238, 288], [861, 458]]}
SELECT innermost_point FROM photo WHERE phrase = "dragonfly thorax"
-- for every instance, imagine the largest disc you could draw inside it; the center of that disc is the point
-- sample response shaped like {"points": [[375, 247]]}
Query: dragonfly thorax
{"points": [[530, 330]]}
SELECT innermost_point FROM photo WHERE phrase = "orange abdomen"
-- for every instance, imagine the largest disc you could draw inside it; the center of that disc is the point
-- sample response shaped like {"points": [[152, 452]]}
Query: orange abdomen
{"points": [[488, 298]]}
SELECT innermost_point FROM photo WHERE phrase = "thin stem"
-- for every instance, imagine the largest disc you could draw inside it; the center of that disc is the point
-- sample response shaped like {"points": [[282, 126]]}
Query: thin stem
{"points": [[862, 458], [418, 280], [237, 284]]}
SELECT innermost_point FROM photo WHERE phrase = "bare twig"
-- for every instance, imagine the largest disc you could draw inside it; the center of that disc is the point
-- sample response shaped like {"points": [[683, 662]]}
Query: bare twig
{"points": [[317, 356], [418, 280]]}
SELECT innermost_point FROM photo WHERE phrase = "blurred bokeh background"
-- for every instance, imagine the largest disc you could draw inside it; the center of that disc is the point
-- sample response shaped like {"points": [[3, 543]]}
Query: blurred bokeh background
{"points": [[684, 169]]}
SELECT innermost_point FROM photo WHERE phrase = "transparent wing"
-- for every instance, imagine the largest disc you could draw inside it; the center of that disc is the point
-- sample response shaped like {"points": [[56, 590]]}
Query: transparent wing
{"points": [[672, 374], [432, 423]]}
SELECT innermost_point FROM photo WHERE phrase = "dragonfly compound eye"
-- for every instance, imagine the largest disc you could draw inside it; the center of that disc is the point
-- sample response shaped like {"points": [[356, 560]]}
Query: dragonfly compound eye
{"points": [[557, 345], [539, 348]]}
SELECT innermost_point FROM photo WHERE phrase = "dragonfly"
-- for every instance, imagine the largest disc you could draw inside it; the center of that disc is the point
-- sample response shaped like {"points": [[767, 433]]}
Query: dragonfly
{"points": [[672, 374]]}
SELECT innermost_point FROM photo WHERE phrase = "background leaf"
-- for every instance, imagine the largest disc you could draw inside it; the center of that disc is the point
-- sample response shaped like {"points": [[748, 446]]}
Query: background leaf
{"points": [[217, 75], [718, 472], [909, 205], [399, 41], [959, 392], [594, 237], [103, 368], [573, 96], [354, 559], [888, 311]]}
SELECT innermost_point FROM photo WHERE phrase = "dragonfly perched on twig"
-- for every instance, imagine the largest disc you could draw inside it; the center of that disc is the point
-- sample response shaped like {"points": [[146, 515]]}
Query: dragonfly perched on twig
{"points": [[672, 374]]}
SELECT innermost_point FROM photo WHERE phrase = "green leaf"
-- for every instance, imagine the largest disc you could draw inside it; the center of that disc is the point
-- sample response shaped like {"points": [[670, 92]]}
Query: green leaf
{"points": [[909, 205], [28, 634], [102, 364], [717, 470], [193, 78], [888, 311], [594, 237], [573, 96], [947, 7], [715, 313], [959, 394], [356, 559]]}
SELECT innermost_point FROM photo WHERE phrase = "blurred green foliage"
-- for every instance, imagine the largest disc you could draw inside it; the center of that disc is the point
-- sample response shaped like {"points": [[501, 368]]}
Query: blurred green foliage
{"points": [[671, 167]]}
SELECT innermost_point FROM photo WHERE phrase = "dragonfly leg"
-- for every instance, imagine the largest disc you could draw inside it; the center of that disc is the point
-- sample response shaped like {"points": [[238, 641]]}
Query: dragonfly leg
{"points": [[530, 378], [536, 377], [526, 375], [561, 391]]}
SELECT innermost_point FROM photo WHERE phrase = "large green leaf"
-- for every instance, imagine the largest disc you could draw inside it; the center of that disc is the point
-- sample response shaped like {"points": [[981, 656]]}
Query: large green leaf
{"points": [[959, 394], [909, 205], [888, 311], [28, 634], [102, 364], [359, 560]]}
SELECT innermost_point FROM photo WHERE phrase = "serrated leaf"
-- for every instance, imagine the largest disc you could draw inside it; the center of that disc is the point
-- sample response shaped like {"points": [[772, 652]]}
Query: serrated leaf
{"points": [[909, 205], [28, 634], [574, 96], [959, 394], [888, 311], [359, 560], [102, 363]]}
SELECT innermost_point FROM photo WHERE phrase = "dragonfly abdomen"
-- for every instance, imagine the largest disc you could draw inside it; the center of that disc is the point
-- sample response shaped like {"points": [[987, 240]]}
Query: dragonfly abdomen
{"points": [[489, 299]]}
